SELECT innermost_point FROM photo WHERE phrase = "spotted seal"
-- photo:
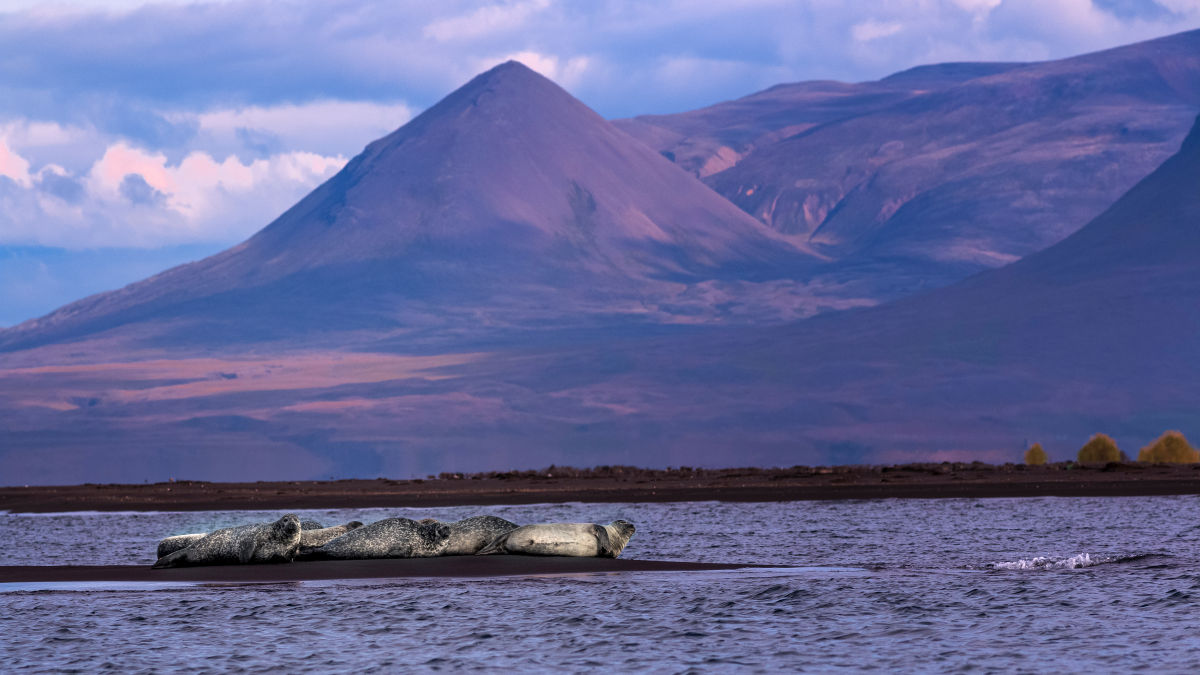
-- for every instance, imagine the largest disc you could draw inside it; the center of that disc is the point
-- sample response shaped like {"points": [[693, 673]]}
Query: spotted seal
{"points": [[469, 535], [266, 542], [307, 537], [389, 538], [583, 540]]}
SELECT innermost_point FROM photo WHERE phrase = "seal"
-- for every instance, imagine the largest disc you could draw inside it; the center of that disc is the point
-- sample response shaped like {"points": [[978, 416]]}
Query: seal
{"points": [[312, 533], [171, 544], [583, 540], [469, 535], [389, 538], [266, 542], [319, 537]]}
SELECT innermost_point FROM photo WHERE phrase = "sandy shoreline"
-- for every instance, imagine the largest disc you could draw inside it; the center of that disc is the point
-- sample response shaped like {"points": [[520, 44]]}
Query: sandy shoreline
{"points": [[450, 567], [622, 485]]}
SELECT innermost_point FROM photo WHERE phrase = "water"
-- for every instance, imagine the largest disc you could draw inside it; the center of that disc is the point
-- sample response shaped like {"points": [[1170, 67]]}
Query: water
{"points": [[1012, 585]]}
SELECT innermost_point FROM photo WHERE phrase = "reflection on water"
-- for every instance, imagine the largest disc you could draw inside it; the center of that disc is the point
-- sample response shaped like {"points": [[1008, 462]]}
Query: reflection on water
{"points": [[1012, 584]]}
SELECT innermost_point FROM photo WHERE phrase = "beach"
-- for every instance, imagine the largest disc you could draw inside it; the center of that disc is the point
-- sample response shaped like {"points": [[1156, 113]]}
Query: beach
{"points": [[323, 570]]}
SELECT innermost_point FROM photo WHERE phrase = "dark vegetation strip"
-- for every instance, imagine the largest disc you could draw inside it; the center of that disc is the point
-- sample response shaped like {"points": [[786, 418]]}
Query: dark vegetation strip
{"points": [[626, 484]]}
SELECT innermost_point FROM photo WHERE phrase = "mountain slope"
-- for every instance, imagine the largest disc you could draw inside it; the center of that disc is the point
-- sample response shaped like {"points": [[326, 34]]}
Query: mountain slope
{"points": [[1096, 333], [508, 202], [936, 173]]}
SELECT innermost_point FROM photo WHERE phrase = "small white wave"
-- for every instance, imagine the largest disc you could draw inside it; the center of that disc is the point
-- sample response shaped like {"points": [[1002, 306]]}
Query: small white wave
{"points": [[1052, 563]]}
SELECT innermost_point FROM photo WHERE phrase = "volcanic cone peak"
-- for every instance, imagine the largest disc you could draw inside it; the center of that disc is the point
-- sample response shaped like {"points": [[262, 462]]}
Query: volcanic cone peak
{"points": [[512, 162], [507, 201]]}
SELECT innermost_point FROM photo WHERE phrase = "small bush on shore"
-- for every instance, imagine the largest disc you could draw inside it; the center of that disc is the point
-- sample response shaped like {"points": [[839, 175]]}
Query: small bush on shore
{"points": [[1100, 449], [1172, 448], [1035, 455]]}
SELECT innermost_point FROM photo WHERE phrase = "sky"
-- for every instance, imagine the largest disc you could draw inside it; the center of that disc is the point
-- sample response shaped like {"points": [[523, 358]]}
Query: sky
{"points": [[137, 135]]}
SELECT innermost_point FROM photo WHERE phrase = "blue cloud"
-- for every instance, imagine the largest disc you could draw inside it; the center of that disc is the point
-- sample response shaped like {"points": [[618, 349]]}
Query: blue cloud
{"points": [[1137, 9], [135, 188], [65, 188]]}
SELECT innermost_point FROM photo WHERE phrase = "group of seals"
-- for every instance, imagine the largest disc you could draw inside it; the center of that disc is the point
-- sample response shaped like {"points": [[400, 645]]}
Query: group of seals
{"points": [[287, 539]]}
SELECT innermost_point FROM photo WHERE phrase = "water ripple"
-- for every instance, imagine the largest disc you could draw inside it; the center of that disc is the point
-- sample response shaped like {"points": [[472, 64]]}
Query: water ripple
{"points": [[943, 585]]}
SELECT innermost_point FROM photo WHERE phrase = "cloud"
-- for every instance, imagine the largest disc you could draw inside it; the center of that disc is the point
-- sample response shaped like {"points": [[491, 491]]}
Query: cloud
{"points": [[138, 63], [236, 171], [326, 126], [132, 197], [138, 191], [487, 20], [873, 30], [54, 180], [567, 73], [13, 166]]}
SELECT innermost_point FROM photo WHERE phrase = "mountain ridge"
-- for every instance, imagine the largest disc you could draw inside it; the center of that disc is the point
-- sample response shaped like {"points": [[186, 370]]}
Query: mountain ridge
{"points": [[933, 174]]}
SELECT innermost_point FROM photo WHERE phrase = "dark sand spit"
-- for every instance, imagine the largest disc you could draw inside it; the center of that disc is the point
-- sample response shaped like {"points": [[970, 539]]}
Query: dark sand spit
{"points": [[457, 566], [619, 484]]}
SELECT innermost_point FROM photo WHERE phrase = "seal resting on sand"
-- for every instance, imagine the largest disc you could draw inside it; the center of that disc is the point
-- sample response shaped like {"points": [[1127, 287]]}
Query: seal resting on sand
{"points": [[582, 540], [267, 542], [312, 533], [469, 535], [320, 537], [389, 538]]}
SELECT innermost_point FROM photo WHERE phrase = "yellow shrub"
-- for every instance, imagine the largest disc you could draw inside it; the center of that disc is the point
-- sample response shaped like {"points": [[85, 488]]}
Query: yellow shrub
{"points": [[1035, 456], [1099, 449], [1171, 447]]}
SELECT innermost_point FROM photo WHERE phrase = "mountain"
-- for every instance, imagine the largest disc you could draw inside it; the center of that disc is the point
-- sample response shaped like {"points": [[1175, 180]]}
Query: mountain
{"points": [[507, 204], [1096, 333], [938, 172], [469, 295]]}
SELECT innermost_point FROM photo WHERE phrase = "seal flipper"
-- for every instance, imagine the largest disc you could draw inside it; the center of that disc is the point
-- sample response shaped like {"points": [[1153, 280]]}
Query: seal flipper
{"points": [[496, 547], [312, 553], [175, 559], [246, 553]]}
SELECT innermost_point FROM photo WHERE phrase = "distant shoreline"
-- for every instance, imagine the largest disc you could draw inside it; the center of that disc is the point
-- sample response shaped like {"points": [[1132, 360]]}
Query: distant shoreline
{"points": [[623, 484]]}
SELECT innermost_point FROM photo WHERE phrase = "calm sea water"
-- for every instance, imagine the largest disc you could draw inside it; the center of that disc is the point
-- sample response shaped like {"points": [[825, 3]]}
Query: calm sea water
{"points": [[1013, 585]]}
